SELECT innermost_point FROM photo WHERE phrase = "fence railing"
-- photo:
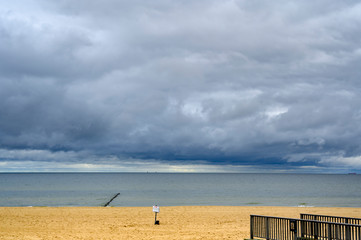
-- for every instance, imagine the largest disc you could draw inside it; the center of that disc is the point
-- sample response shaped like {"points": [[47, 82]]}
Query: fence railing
{"points": [[324, 218], [277, 228]]}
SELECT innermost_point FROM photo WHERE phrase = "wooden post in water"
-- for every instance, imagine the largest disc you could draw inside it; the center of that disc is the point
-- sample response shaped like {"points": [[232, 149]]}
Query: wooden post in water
{"points": [[116, 195]]}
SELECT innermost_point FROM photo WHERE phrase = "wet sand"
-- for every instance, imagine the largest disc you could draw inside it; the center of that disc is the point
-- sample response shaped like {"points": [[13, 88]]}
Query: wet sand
{"points": [[195, 222]]}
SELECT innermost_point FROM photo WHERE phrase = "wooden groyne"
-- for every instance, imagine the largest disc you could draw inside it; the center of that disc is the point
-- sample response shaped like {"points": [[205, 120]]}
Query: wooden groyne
{"points": [[116, 195]]}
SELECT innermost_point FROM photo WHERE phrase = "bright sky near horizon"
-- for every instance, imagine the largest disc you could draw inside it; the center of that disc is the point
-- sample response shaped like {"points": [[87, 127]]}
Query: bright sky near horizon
{"points": [[180, 86]]}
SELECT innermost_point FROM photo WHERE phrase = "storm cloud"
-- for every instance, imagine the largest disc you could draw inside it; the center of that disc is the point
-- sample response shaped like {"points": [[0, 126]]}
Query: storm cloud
{"points": [[236, 84]]}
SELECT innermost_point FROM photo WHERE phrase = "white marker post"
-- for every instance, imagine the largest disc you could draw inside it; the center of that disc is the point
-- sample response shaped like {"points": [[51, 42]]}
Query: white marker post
{"points": [[156, 210]]}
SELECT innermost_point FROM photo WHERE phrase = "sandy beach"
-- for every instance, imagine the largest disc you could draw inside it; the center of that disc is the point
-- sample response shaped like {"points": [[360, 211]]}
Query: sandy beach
{"points": [[194, 222]]}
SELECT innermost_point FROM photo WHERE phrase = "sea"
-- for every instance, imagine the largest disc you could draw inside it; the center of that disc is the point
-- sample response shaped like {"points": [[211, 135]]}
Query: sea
{"points": [[179, 189]]}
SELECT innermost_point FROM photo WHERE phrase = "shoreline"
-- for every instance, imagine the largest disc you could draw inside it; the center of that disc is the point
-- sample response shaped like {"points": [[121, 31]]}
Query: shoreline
{"points": [[170, 206], [176, 222]]}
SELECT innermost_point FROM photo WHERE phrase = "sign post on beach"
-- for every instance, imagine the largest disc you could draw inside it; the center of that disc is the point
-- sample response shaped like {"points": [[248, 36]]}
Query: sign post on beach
{"points": [[156, 210]]}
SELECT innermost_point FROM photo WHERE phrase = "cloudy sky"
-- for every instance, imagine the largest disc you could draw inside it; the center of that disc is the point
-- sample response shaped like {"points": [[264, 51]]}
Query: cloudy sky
{"points": [[164, 85]]}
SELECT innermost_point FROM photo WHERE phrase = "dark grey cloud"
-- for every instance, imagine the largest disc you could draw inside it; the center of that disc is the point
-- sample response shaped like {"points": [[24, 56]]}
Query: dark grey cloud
{"points": [[226, 83]]}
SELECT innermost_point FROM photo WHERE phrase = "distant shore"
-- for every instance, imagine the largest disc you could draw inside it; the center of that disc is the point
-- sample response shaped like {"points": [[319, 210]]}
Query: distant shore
{"points": [[193, 222]]}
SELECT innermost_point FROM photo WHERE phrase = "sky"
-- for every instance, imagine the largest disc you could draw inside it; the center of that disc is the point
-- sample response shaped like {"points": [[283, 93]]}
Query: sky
{"points": [[180, 86]]}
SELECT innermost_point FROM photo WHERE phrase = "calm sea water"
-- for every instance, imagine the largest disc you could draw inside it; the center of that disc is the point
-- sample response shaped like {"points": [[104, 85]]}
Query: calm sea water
{"points": [[143, 189]]}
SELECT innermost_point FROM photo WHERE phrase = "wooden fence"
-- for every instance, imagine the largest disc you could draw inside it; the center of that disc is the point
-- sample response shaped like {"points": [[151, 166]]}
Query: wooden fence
{"points": [[277, 228], [324, 218]]}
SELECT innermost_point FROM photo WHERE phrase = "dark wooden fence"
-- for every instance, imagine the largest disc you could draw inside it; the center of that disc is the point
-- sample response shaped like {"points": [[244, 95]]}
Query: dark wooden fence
{"points": [[336, 219], [277, 228]]}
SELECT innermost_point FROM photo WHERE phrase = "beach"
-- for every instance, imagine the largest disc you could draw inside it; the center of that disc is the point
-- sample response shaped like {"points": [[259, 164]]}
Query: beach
{"points": [[181, 222]]}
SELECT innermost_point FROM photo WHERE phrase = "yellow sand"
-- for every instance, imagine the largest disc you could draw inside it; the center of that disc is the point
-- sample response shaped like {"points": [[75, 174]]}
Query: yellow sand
{"points": [[138, 222]]}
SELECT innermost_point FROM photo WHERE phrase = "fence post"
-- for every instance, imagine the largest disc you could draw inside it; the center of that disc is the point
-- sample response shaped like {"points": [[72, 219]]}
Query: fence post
{"points": [[316, 230], [295, 230], [294, 235], [251, 226], [329, 231], [302, 224], [267, 228], [348, 232]]}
